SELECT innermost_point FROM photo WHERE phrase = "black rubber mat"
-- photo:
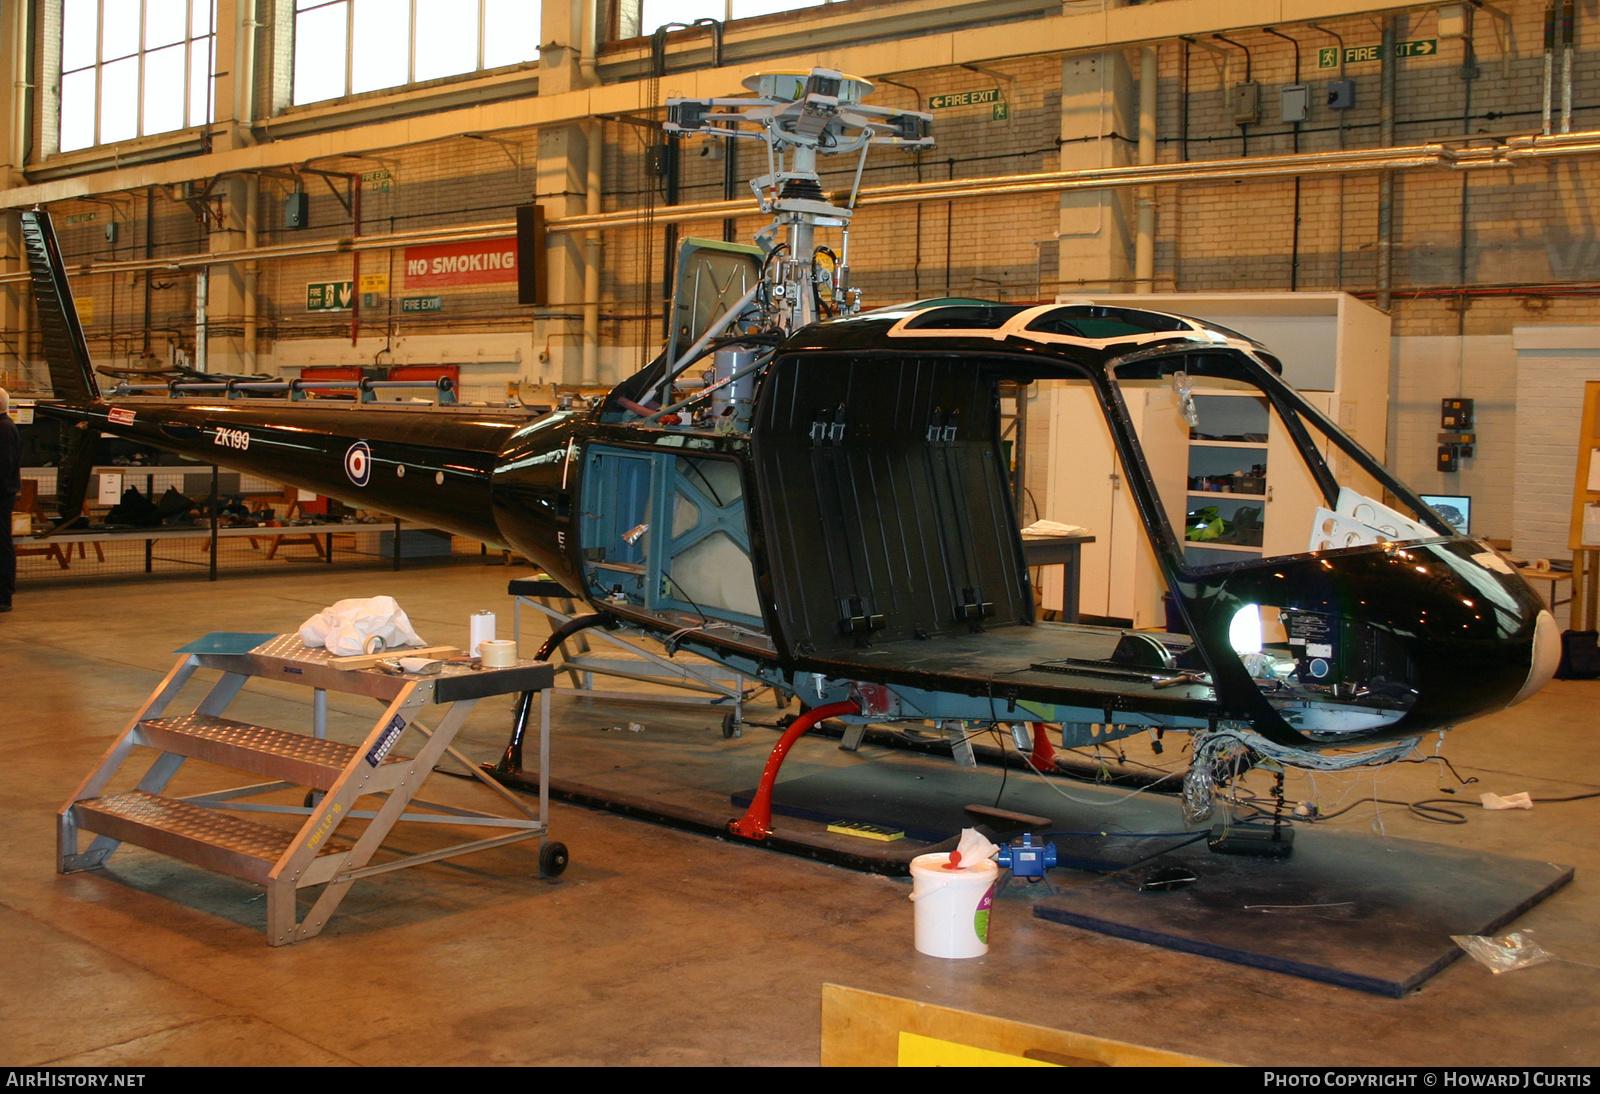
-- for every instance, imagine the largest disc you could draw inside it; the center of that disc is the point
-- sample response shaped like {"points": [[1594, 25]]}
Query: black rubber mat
{"points": [[1361, 912], [1358, 911]]}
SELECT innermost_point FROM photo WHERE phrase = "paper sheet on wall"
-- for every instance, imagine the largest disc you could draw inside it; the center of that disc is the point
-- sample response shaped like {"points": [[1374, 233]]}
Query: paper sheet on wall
{"points": [[1591, 525], [1594, 471]]}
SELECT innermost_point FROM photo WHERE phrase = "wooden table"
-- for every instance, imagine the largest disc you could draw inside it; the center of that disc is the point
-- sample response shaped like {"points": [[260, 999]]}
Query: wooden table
{"points": [[1063, 551], [1552, 578], [212, 533]]}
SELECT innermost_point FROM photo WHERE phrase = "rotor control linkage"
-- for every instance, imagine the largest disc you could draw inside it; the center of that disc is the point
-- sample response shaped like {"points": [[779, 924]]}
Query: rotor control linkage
{"points": [[801, 116]]}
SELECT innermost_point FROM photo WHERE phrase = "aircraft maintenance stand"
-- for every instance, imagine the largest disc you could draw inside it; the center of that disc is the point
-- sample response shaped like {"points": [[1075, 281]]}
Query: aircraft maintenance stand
{"points": [[206, 829]]}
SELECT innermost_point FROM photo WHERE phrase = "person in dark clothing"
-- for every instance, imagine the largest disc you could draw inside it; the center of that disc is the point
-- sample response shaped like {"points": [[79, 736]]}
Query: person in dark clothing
{"points": [[10, 487]]}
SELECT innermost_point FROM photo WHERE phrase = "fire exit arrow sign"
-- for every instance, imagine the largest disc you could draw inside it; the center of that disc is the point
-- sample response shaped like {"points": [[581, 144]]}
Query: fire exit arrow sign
{"points": [[1422, 47], [330, 295]]}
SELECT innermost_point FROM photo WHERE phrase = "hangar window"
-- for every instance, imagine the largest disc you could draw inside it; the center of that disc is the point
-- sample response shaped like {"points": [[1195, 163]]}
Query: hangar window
{"points": [[345, 47], [131, 68], [658, 13]]}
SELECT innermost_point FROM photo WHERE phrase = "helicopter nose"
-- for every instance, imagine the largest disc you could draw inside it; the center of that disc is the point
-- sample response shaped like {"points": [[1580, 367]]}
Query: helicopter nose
{"points": [[1546, 655]]}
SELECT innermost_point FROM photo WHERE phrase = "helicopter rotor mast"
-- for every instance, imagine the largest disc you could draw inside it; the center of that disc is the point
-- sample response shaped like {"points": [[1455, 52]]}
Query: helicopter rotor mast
{"points": [[799, 115]]}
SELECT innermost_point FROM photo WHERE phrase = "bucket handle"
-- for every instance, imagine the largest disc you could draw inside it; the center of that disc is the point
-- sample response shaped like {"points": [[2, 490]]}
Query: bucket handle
{"points": [[929, 892]]}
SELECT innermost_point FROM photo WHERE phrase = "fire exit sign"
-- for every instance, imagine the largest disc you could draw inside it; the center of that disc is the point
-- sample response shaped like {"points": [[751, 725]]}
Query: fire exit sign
{"points": [[1422, 47], [964, 98], [330, 295]]}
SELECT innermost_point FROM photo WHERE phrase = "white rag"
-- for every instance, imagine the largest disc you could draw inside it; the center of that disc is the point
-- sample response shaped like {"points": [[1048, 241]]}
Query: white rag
{"points": [[358, 626], [974, 848]]}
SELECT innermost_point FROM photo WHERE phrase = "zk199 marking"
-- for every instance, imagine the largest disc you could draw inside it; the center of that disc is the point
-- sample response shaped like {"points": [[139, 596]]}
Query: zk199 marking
{"points": [[232, 438]]}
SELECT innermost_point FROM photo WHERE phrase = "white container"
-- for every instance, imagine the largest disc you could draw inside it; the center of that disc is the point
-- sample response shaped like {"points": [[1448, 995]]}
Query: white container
{"points": [[952, 906], [480, 628]]}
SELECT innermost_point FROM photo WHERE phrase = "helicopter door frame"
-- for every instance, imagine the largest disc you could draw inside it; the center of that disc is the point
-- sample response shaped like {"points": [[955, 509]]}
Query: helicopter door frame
{"points": [[631, 538]]}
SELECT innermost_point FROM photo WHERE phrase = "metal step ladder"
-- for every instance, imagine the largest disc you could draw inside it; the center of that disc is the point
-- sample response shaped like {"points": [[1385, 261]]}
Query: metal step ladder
{"points": [[207, 830]]}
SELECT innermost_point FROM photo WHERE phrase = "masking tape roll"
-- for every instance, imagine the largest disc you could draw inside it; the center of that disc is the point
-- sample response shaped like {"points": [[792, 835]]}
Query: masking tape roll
{"points": [[498, 653], [1541, 564]]}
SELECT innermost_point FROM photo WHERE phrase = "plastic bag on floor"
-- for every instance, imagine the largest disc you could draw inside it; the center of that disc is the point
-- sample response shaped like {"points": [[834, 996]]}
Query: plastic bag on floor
{"points": [[358, 626], [1506, 953]]}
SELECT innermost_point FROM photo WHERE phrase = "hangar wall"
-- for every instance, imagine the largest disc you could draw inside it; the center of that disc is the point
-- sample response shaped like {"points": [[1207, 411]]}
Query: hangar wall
{"points": [[1474, 254]]}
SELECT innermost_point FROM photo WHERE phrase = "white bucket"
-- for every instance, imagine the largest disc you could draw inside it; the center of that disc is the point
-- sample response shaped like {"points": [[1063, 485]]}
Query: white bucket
{"points": [[952, 906]]}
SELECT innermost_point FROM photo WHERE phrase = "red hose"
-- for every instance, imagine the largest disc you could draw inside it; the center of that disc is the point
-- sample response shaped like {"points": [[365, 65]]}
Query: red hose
{"points": [[756, 824]]}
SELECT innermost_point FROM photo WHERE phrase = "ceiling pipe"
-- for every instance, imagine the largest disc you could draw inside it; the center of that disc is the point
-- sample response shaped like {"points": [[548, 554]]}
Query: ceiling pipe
{"points": [[252, 281], [1144, 246], [244, 65], [1385, 271], [1505, 153], [591, 254], [588, 43]]}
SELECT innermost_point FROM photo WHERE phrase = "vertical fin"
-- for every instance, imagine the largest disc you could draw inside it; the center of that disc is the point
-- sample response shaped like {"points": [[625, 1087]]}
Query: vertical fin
{"points": [[65, 351], [73, 472]]}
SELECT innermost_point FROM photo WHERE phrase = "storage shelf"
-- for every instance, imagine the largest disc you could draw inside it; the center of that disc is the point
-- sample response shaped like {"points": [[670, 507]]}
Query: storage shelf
{"points": [[1229, 444], [1225, 494]]}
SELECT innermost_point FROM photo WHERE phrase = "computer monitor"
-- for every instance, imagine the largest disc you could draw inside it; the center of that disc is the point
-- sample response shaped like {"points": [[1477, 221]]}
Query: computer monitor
{"points": [[1456, 509]]}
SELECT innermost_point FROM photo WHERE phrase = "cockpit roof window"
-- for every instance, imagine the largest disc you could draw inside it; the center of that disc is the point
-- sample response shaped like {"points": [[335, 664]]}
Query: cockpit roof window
{"points": [[1161, 363], [1095, 321], [1227, 331], [964, 317]]}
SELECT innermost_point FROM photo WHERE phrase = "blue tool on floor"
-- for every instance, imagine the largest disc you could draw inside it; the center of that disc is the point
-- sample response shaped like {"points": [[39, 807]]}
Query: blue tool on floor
{"points": [[1027, 860]]}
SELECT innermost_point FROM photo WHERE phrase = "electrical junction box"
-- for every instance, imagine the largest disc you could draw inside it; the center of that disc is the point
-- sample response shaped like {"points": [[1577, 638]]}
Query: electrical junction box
{"points": [[1295, 103], [1246, 99], [297, 210], [1453, 21], [1455, 414], [1341, 94]]}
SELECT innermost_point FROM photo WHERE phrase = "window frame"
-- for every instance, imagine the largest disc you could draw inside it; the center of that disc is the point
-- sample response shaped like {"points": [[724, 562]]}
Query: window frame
{"points": [[411, 53], [725, 15], [97, 66]]}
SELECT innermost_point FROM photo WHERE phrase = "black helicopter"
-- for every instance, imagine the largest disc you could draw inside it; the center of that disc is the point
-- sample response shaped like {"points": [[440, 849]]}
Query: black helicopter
{"points": [[822, 503]]}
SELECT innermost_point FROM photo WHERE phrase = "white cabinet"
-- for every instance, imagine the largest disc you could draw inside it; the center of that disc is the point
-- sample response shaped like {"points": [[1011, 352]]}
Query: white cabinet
{"points": [[1244, 463], [1118, 574]]}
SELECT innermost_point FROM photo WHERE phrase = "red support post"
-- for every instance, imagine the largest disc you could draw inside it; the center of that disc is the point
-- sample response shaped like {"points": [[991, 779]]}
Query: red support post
{"points": [[756, 824]]}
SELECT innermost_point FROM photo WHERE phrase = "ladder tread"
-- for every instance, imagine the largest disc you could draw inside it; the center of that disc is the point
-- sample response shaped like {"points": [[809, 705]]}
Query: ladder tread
{"points": [[212, 838], [293, 757]]}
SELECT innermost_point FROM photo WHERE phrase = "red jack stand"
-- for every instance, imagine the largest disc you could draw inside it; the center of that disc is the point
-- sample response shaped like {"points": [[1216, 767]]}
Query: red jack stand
{"points": [[1043, 759], [756, 824]]}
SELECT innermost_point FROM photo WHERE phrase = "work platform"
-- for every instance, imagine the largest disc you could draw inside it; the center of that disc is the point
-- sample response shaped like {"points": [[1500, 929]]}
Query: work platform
{"points": [[207, 830]]}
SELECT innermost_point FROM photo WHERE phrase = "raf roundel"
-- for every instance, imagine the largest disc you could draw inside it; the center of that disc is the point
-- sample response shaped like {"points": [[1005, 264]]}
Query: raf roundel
{"points": [[358, 463]]}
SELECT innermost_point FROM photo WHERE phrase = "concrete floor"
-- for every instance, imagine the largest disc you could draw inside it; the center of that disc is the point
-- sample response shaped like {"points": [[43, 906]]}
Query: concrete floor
{"points": [[659, 947]]}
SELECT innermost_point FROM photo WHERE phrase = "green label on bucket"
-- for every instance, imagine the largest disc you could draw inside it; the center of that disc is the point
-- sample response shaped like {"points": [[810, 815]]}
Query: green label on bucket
{"points": [[980, 921]]}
